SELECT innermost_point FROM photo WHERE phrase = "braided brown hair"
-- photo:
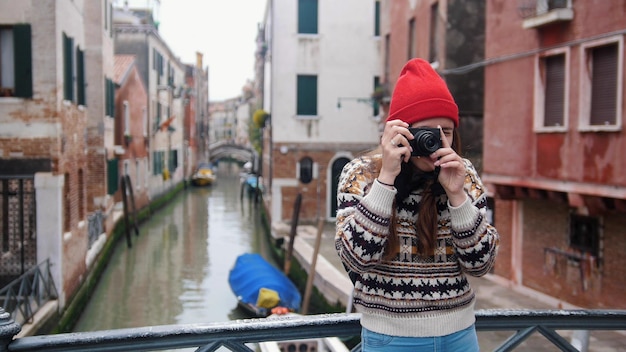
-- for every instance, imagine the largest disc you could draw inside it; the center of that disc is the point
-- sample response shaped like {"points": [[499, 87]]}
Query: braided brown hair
{"points": [[427, 221]]}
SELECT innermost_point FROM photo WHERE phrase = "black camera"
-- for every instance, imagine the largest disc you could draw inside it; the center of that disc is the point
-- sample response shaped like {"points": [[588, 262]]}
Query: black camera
{"points": [[427, 140]]}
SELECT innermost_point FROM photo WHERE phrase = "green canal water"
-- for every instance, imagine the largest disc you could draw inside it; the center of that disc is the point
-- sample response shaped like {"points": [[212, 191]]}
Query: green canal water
{"points": [[177, 269]]}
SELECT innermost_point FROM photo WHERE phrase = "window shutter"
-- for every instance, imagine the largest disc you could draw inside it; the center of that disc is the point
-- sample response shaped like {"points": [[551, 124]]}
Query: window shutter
{"points": [[112, 99], [68, 86], [80, 77], [555, 90], [157, 120], [112, 176], [376, 107], [307, 16], [23, 61], [307, 95], [377, 19], [107, 97], [604, 85]]}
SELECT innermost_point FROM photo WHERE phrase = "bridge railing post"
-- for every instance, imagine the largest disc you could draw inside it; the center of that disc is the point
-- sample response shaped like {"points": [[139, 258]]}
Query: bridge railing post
{"points": [[8, 329]]}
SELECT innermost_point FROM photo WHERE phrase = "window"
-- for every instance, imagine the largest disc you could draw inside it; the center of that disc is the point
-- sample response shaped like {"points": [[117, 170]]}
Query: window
{"points": [[551, 91], [144, 119], [173, 160], [112, 176], [67, 204], [126, 118], [73, 72], [157, 120], [377, 87], [170, 75], [80, 77], [307, 96], [109, 89], [307, 16], [137, 175], [377, 18], [146, 171], [585, 234], [81, 194], [387, 67], [434, 33], [108, 18], [157, 64], [68, 68], [305, 170], [16, 61], [412, 36], [601, 85]]}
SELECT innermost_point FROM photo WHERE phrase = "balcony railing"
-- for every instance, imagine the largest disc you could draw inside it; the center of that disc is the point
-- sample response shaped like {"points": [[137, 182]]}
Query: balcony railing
{"points": [[537, 13], [242, 335]]}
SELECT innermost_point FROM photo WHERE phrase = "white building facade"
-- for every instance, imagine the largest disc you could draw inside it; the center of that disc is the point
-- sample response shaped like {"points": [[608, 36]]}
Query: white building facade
{"points": [[322, 65]]}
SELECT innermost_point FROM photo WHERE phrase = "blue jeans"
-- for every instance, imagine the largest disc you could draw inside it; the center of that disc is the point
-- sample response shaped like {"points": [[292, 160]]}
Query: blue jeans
{"points": [[461, 341]]}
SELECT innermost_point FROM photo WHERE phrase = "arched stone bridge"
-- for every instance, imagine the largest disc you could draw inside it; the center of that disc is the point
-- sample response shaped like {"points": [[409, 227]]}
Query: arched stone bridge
{"points": [[223, 149]]}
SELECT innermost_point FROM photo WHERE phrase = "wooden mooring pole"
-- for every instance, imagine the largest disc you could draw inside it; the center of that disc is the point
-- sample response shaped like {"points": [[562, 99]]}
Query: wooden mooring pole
{"points": [[311, 276]]}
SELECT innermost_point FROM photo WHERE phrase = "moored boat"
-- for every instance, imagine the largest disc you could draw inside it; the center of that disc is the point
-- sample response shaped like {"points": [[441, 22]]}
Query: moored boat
{"points": [[204, 176], [260, 287]]}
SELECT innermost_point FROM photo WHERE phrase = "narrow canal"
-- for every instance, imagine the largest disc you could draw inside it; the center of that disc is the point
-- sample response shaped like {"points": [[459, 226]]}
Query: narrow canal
{"points": [[177, 269]]}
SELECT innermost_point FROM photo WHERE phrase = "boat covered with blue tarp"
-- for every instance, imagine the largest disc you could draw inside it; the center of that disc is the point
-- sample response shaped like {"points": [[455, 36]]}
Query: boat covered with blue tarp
{"points": [[259, 286]]}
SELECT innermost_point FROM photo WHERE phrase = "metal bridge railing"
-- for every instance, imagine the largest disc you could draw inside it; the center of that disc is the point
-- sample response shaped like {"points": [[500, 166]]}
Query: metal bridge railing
{"points": [[241, 335], [22, 297]]}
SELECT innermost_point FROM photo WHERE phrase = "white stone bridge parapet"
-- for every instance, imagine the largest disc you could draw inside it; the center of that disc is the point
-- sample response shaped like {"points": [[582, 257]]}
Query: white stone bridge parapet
{"points": [[222, 149]]}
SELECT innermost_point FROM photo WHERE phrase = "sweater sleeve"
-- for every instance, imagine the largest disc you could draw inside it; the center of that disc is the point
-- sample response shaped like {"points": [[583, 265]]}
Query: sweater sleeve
{"points": [[475, 239], [363, 214]]}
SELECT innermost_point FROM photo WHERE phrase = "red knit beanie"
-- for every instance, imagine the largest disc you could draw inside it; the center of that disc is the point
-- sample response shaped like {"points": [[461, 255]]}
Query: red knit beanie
{"points": [[420, 94]]}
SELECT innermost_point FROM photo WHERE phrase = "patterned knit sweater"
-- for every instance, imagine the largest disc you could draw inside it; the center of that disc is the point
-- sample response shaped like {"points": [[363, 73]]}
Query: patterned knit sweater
{"points": [[410, 294]]}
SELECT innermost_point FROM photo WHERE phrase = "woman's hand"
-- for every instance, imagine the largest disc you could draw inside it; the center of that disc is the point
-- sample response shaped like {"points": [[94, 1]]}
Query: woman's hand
{"points": [[452, 172], [396, 149]]}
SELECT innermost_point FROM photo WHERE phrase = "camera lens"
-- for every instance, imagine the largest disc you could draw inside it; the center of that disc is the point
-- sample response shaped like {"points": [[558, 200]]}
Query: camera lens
{"points": [[427, 141]]}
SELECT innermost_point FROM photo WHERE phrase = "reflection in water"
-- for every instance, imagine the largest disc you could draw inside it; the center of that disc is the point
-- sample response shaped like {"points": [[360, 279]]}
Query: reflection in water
{"points": [[177, 269]]}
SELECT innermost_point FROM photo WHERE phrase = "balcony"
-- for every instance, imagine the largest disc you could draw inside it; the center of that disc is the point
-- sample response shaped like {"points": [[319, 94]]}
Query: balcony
{"points": [[538, 13]]}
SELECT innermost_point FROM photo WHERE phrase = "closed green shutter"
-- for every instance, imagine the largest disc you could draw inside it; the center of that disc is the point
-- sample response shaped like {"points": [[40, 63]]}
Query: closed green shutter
{"points": [[23, 61], [80, 77], [68, 78], [307, 95], [112, 176], [307, 16], [111, 90], [375, 102], [377, 19]]}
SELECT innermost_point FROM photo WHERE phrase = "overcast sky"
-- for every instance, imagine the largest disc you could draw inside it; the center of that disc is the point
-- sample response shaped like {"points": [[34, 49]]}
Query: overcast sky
{"points": [[223, 30]]}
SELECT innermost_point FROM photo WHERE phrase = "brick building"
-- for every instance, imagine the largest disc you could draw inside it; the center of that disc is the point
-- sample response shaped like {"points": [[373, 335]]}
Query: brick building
{"points": [[554, 146], [449, 34], [131, 128], [53, 134]]}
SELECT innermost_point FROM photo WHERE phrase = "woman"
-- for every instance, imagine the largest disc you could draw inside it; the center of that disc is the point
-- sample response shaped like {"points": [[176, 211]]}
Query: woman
{"points": [[411, 225]]}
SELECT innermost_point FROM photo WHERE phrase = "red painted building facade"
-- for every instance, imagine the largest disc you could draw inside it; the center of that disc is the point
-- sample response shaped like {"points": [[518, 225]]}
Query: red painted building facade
{"points": [[554, 146], [131, 128]]}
